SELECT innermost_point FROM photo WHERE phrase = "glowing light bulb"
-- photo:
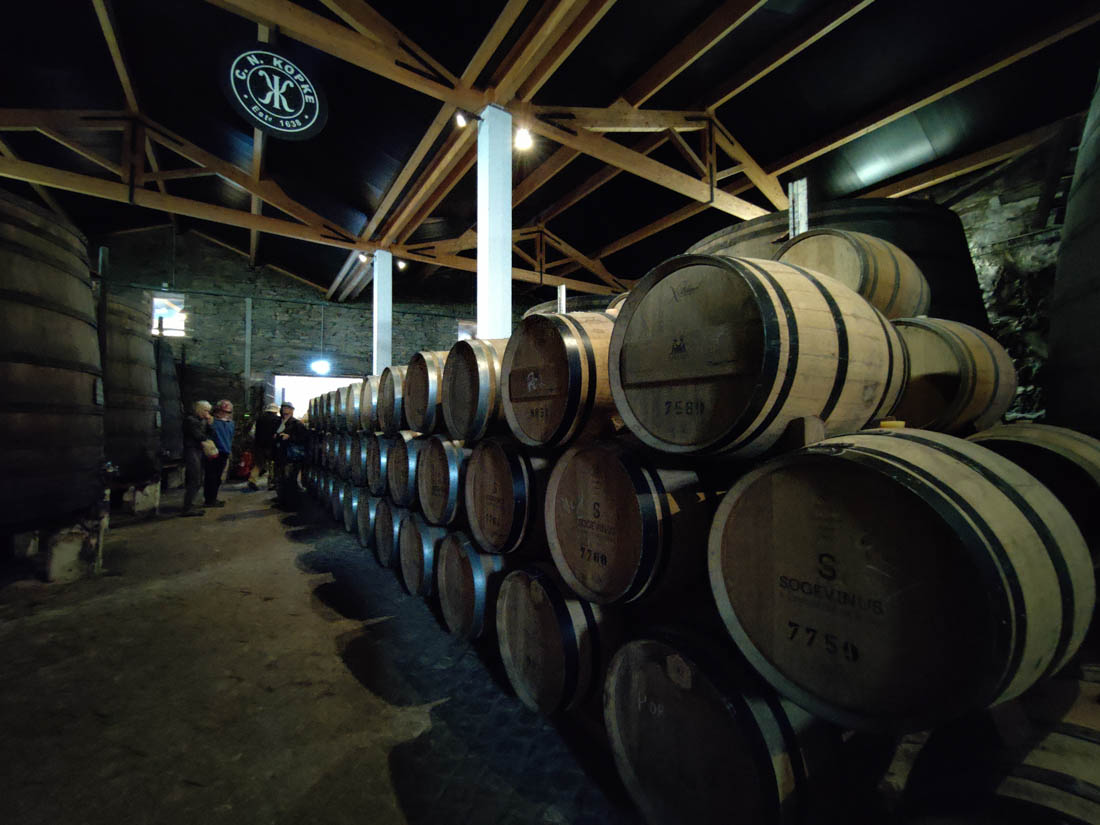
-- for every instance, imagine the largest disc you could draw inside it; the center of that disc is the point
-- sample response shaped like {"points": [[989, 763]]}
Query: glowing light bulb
{"points": [[362, 257], [460, 119], [401, 264], [523, 139], [320, 366]]}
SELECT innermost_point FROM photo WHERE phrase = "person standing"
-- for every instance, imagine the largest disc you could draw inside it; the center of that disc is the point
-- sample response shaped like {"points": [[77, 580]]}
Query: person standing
{"points": [[222, 430], [263, 444], [290, 451], [196, 433]]}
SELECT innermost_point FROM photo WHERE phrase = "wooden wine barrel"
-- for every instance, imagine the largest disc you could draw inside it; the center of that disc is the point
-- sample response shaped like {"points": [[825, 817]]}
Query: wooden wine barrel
{"points": [[1065, 461], [440, 479], [391, 400], [352, 399], [872, 267], [467, 582], [555, 387], [713, 354], [343, 461], [328, 402], [327, 451], [417, 543], [368, 404], [132, 425], [553, 646], [328, 486], [387, 524], [930, 234], [423, 394], [171, 405], [621, 529], [695, 746], [368, 507], [339, 410], [336, 498], [894, 579], [577, 303], [359, 458], [472, 388], [378, 452], [52, 406], [353, 497], [404, 452], [505, 493], [1075, 303], [960, 379]]}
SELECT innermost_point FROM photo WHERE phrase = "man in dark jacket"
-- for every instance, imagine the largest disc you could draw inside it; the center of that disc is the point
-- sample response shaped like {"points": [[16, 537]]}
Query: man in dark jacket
{"points": [[290, 447], [196, 430], [222, 432], [263, 443]]}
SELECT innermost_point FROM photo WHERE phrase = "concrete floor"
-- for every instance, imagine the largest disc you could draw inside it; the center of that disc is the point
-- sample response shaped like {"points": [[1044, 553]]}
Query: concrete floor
{"points": [[255, 666]]}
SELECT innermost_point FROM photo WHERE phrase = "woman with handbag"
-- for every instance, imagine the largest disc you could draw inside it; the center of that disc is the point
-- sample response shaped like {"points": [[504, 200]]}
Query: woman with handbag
{"points": [[290, 452], [197, 447]]}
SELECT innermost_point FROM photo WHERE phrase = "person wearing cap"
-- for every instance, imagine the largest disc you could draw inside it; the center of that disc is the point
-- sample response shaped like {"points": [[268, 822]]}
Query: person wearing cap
{"points": [[290, 450], [222, 432], [263, 444]]}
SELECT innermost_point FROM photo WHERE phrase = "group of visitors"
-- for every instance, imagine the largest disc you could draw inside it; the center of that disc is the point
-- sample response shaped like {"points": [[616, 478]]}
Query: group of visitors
{"points": [[279, 439]]}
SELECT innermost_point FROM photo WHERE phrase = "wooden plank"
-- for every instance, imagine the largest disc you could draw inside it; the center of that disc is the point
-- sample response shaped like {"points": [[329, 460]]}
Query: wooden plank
{"points": [[572, 37], [94, 120], [542, 173], [1039, 38], [706, 35], [519, 63], [349, 264], [105, 15], [454, 149], [83, 151], [527, 275], [619, 117], [769, 185], [179, 174], [463, 167], [595, 267], [687, 152], [964, 165], [786, 47], [120, 192], [42, 192]]}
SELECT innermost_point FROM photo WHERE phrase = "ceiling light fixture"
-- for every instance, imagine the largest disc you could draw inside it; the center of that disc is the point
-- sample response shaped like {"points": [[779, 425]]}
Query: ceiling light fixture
{"points": [[362, 257], [460, 119], [523, 139], [401, 264], [320, 366]]}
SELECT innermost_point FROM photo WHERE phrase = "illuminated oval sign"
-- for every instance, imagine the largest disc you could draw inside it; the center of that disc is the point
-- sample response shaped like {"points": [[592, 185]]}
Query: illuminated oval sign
{"points": [[275, 95]]}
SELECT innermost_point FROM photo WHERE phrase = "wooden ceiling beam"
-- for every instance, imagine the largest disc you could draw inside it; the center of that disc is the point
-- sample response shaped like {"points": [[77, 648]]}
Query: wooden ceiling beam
{"points": [[957, 167], [595, 267], [436, 196], [786, 47], [83, 151], [345, 269], [527, 275], [91, 120], [552, 18], [619, 117], [727, 17], [42, 192], [769, 185], [578, 29], [1036, 39]]}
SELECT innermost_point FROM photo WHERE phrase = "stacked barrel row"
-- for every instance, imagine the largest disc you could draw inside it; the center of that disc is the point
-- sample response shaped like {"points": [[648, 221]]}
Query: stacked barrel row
{"points": [[705, 454]]}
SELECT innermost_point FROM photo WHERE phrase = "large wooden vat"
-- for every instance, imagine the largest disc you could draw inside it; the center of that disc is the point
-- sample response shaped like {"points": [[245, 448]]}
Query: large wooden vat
{"points": [[133, 423], [171, 405]]}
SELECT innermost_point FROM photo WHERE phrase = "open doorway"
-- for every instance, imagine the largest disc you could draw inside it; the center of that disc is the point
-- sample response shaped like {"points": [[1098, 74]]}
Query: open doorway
{"points": [[298, 389]]}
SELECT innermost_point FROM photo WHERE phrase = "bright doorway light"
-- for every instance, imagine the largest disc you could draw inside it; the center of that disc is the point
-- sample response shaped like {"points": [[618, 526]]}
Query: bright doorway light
{"points": [[321, 366]]}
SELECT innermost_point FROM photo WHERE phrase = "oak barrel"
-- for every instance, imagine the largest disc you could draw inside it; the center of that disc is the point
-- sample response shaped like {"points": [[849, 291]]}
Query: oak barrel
{"points": [[378, 452], [328, 408], [133, 423], [417, 543], [554, 646], [960, 379], [352, 400], [872, 267], [440, 479], [391, 400], [368, 403], [931, 234], [467, 582], [621, 529], [895, 579], [713, 354], [358, 472], [404, 452], [368, 507], [423, 395], [339, 410], [505, 492], [696, 746], [1075, 303], [336, 498], [555, 387], [1066, 461], [472, 388], [353, 497], [387, 524], [577, 303], [171, 405], [52, 408], [343, 462]]}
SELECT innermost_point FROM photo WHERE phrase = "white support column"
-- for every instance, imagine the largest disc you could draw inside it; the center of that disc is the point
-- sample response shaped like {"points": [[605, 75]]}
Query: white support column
{"points": [[382, 341], [494, 223]]}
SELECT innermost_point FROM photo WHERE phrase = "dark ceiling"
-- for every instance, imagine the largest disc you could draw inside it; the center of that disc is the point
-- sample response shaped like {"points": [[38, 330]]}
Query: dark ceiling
{"points": [[53, 55]]}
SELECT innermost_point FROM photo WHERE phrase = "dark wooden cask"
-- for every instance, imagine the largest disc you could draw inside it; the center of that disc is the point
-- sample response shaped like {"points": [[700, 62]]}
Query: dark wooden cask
{"points": [[171, 404], [339, 410], [344, 455], [874, 268], [52, 415], [405, 449], [132, 424], [417, 543], [505, 492], [368, 507], [352, 399], [440, 479], [960, 379], [719, 355], [555, 387], [358, 473], [368, 403], [696, 747], [336, 499], [423, 394], [621, 529], [468, 582], [895, 579], [472, 378], [391, 400], [353, 497], [377, 457], [554, 646], [387, 525]]}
